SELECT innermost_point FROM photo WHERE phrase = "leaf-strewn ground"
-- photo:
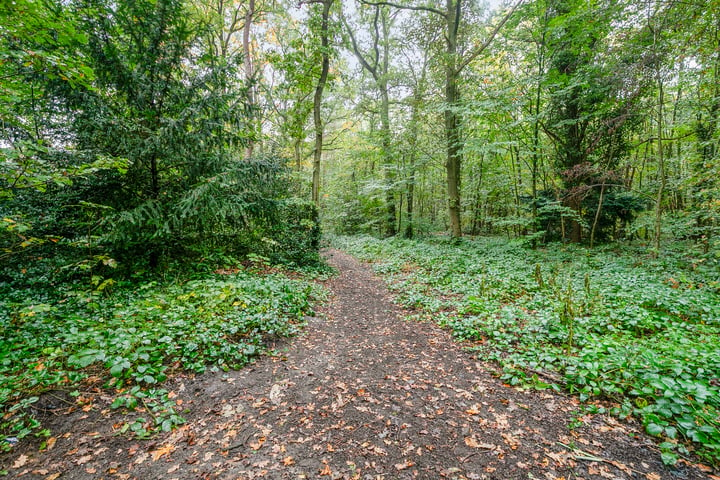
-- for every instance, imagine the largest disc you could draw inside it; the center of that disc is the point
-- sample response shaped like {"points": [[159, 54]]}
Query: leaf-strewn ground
{"points": [[362, 394]]}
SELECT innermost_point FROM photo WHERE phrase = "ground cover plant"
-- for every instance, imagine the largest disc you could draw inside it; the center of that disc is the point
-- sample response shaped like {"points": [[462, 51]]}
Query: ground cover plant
{"points": [[126, 342], [608, 324]]}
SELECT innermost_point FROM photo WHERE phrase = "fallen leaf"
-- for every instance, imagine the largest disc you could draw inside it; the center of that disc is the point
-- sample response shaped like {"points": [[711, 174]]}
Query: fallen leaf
{"points": [[623, 467], [91, 470], [404, 465], [20, 462], [50, 443], [287, 461], [258, 444], [652, 476], [326, 470], [513, 442], [84, 460], [53, 476], [174, 468], [473, 442], [474, 410], [162, 451]]}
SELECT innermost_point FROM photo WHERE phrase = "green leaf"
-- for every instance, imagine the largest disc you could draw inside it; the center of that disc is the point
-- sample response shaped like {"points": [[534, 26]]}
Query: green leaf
{"points": [[669, 458]]}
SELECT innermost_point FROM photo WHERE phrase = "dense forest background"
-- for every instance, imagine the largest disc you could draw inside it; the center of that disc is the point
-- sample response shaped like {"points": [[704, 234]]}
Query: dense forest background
{"points": [[161, 127], [148, 146]]}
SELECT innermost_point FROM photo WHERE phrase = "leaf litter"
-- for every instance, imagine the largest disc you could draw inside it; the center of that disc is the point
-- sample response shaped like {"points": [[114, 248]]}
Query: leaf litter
{"points": [[362, 394]]}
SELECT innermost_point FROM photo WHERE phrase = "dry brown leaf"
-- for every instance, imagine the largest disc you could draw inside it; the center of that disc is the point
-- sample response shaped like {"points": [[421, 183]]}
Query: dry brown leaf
{"points": [[50, 443], [20, 462], [652, 476], [174, 468], [91, 470], [165, 450], [513, 442], [54, 476], [287, 461], [474, 410], [326, 470], [84, 460], [258, 444], [473, 442], [402, 466], [622, 467]]}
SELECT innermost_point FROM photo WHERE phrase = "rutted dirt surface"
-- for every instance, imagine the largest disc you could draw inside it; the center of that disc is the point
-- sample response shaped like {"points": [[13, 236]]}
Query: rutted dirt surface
{"points": [[362, 394]]}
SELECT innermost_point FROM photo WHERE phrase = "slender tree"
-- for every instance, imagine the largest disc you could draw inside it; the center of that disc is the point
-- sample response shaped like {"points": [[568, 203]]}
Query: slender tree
{"points": [[320, 21], [376, 61]]}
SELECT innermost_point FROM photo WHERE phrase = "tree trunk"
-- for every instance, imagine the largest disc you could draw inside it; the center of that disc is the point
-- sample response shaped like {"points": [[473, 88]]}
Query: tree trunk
{"points": [[661, 168], [389, 177], [317, 100], [248, 67], [453, 162]]}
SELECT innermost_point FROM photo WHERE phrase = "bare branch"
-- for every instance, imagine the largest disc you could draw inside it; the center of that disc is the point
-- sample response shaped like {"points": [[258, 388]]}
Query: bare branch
{"points": [[481, 48], [406, 7], [356, 50]]}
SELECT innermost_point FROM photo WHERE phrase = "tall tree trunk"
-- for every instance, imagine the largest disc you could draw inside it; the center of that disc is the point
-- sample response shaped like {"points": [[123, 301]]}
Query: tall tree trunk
{"points": [[388, 163], [317, 99], [453, 163], [248, 67], [378, 66], [661, 167], [536, 123]]}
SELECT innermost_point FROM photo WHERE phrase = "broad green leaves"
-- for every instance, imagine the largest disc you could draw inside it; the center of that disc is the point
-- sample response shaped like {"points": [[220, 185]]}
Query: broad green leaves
{"points": [[132, 339], [609, 324]]}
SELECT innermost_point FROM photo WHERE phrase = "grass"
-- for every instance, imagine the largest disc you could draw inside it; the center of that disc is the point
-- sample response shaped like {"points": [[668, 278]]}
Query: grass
{"points": [[609, 323]]}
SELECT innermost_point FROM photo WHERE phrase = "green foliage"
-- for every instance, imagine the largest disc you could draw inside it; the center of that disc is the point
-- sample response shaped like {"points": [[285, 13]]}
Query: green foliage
{"points": [[133, 338], [609, 324]]}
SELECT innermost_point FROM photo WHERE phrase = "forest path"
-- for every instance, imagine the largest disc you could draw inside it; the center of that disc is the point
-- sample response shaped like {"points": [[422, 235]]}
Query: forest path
{"points": [[363, 394]]}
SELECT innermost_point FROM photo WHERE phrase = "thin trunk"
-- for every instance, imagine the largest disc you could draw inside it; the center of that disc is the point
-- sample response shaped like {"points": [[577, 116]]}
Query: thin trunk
{"points": [[597, 215], [317, 100], [409, 228], [298, 154], [248, 67], [378, 66], [388, 166], [661, 168], [536, 124]]}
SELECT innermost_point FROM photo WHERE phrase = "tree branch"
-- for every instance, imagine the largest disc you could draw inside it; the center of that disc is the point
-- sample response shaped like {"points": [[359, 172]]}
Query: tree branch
{"points": [[358, 54], [406, 7], [481, 48]]}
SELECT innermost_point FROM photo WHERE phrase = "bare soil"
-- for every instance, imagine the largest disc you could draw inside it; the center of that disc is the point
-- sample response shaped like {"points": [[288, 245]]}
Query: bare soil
{"points": [[362, 394]]}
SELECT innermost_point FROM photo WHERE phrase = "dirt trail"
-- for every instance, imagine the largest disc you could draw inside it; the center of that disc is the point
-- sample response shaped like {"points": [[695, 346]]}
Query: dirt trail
{"points": [[362, 394]]}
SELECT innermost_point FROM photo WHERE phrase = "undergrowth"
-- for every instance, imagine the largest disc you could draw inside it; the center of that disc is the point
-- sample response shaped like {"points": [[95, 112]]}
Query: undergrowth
{"points": [[127, 341], [611, 323]]}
